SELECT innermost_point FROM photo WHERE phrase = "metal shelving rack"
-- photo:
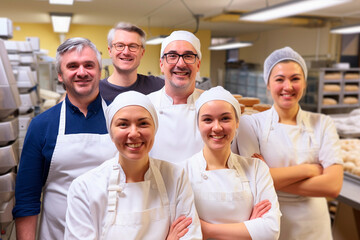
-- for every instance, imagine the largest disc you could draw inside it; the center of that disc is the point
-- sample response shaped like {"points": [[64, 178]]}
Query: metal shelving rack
{"points": [[339, 96]]}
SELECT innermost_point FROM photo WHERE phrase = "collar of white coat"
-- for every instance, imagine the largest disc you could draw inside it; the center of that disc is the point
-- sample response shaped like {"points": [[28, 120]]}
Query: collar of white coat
{"points": [[167, 101], [302, 120], [119, 177], [232, 163]]}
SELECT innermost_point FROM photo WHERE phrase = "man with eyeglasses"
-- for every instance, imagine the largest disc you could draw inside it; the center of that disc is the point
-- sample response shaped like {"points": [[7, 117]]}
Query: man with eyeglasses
{"points": [[126, 46], [177, 137]]}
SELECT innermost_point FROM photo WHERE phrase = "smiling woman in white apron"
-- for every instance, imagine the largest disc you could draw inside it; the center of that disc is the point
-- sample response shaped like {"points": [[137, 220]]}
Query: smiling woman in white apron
{"points": [[234, 196], [132, 196], [301, 148]]}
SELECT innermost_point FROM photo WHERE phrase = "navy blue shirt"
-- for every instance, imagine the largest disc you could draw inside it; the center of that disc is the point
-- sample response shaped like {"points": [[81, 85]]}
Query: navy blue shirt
{"points": [[144, 84], [39, 144]]}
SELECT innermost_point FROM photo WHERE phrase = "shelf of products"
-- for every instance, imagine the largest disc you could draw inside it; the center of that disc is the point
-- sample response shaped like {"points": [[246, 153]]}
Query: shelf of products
{"points": [[338, 89]]}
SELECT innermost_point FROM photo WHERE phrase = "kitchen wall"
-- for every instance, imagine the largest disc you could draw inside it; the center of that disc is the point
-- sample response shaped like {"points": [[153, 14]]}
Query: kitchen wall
{"points": [[311, 43], [98, 35]]}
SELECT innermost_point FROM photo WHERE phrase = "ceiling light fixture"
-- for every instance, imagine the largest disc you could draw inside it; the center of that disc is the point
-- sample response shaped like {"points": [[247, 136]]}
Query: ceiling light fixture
{"points": [[156, 40], [230, 45], [289, 8], [61, 22], [346, 29], [62, 2]]}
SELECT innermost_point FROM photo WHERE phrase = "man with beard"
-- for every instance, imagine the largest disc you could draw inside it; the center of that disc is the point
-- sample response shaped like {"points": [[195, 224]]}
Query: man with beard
{"points": [[177, 138], [62, 143], [126, 46]]}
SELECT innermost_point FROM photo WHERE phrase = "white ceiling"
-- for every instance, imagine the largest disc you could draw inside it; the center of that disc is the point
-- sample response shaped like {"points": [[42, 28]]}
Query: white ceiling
{"points": [[174, 14]]}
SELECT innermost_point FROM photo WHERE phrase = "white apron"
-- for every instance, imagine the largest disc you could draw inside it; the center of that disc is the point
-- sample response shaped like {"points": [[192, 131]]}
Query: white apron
{"points": [[177, 137], [302, 217], [137, 211], [74, 154], [223, 195]]}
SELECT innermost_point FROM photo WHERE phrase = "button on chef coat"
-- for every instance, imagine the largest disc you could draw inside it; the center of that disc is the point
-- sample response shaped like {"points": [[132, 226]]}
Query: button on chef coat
{"points": [[88, 202], [177, 137], [229, 195], [313, 140]]}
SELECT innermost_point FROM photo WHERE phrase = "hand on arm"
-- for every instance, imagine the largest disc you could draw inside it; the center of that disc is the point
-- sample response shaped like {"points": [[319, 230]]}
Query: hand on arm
{"points": [[26, 227], [259, 156], [327, 184], [179, 228], [260, 209]]}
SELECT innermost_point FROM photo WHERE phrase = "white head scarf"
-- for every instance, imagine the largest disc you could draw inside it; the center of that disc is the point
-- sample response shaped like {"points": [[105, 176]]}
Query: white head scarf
{"points": [[130, 98], [282, 54], [184, 36], [218, 93]]}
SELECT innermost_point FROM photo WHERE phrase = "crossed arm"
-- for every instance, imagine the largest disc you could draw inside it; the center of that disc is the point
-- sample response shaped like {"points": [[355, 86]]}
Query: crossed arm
{"points": [[308, 179]]}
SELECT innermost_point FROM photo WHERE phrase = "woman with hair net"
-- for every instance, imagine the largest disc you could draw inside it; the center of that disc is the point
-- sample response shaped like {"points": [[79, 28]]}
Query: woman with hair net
{"points": [[234, 195], [301, 149], [132, 196]]}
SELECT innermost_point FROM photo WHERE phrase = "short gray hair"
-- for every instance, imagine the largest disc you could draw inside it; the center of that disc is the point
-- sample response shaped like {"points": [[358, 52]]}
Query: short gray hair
{"points": [[77, 43], [129, 28]]}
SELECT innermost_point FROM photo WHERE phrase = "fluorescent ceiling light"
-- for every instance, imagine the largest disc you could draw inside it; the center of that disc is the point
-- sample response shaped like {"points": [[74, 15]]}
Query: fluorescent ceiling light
{"points": [[289, 8], [156, 40], [62, 2], [231, 45], [61, 22], [348, 29]]}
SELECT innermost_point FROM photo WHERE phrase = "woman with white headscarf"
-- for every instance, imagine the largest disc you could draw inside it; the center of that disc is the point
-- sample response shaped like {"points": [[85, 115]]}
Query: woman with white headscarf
{"points": [[234, 196], [301, 148], [132, 196]]}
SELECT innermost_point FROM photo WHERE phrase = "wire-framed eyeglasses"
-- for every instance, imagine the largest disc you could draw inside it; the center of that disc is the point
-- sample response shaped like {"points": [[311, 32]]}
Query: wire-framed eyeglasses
{"points": [[173, 58], [133, 47]]}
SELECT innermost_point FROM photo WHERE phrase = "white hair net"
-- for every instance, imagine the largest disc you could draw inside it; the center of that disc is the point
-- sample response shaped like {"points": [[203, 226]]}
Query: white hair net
{"points": [[130, 98], [282, 54], [218, 93], [184, 36]]}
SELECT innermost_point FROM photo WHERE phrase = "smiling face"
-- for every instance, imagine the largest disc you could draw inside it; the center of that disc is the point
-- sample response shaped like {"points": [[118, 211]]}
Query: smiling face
{"points": [[180, 75], [217, 124], [126, 61], [133, 131], [80, 73], [286, 85]]}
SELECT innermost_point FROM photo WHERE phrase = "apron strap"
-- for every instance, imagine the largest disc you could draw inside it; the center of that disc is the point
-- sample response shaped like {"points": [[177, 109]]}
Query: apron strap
{"points": [[62, 119], [305, 122], [160, 184], [234, 164], [113, 190], [268, 124]]}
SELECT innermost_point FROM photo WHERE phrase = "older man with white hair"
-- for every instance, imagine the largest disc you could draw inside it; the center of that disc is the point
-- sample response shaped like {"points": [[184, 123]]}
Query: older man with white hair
{"points": [[177, 138]]}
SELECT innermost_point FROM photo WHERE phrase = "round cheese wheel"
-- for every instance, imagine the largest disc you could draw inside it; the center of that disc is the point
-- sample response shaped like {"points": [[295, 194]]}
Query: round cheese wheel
{"points": [[250, 111], [237, 96], [261, 107], [249, 101], [242, 107]]}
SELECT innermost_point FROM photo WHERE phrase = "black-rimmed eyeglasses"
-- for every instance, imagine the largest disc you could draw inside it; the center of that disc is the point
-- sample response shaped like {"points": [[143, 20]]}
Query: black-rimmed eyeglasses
{"points": [[133, 47], [173, 58]]}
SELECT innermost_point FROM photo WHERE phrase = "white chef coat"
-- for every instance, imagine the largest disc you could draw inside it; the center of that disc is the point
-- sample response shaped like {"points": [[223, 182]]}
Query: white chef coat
{"points": [[229, 195], [177, 137], [313, 140], [88, 205], [74, 154]]}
